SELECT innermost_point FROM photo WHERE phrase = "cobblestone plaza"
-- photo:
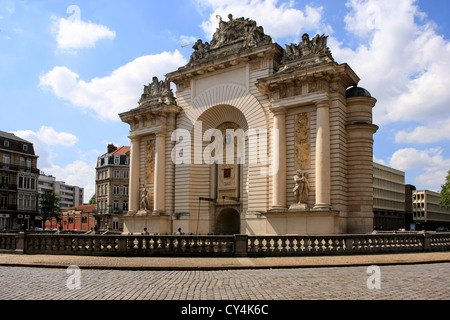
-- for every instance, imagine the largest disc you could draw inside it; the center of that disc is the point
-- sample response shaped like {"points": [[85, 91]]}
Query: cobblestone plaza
{"points": [[397, 282]]}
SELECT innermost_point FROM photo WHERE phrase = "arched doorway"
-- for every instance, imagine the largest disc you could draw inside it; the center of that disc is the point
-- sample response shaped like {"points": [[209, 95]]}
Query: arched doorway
{"points": [[228, 222]]}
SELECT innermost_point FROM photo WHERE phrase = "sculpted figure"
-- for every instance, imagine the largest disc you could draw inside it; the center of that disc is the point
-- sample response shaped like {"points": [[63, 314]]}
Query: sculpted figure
{"points": [[301, 189], [144, 199]]}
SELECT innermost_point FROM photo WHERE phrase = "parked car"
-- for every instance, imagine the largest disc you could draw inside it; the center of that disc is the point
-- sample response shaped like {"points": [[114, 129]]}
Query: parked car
{"points": [[442, 229]]}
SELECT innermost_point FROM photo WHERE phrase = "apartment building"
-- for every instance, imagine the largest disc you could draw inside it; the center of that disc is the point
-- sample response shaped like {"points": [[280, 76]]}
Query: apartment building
{"points": [[70, 196], [427, 214], [389, 198], [18, 186], [112, 183]]}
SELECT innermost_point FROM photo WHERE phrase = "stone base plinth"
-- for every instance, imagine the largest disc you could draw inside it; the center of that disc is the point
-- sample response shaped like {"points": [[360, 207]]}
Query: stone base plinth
{"points": [[135, 224], [299, 207], [293, 222]]}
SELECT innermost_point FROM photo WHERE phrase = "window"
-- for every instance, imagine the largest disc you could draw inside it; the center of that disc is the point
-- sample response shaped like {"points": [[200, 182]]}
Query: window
{"points": [[125, 206], [116, 189], [5, 179], [125, 190], [116, 173], [6, 143], [22, 161], [116, 205], [6, 159], [116, 160], [25, 147], [125, 174]]}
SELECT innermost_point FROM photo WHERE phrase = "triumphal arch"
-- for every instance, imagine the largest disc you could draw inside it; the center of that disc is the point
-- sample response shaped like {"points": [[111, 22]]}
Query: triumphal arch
{"points": [[259, 139]]}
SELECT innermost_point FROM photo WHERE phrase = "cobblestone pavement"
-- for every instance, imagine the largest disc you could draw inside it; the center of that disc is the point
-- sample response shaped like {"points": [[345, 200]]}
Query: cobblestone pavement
{"points": [[396, 282]]}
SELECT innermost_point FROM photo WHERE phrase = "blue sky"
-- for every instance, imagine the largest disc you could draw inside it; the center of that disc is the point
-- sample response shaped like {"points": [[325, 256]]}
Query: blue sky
{"points": [[67, 68]]}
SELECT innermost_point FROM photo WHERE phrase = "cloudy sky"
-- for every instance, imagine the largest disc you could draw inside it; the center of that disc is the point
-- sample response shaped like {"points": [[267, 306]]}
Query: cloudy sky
{"points": [[67, 68]]}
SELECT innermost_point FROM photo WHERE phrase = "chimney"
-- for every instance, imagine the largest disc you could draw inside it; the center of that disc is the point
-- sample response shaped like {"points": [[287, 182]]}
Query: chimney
{"points": [[111, 148]]}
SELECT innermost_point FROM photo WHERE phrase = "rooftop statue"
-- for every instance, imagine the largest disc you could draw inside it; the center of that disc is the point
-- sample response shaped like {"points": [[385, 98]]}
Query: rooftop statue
{"points": [[308, 47], [242, 31], [157, 89]]}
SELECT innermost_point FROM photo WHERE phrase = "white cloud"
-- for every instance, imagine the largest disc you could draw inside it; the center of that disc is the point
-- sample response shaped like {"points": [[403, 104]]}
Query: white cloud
{"points": [[278, 20], [43, 139], [433, 165], [116, 93], [380, 161], [438, 130], [401, 60], [72, 34], [78, 173]]}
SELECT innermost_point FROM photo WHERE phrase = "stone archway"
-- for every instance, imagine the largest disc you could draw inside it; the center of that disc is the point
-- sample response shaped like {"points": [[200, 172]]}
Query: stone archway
{"points": [[228, 222]]}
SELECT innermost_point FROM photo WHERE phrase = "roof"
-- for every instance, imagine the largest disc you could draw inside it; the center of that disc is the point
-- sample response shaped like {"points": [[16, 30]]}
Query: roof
{"points": [[83, 208], [357, 92], [122, 150], [12, 136]]}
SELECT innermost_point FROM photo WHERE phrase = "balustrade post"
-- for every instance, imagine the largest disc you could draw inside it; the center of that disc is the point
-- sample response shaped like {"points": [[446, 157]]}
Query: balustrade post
{"points": [[20, 243], [122, 244], [240, 245], [426, 241], [348, 244]]}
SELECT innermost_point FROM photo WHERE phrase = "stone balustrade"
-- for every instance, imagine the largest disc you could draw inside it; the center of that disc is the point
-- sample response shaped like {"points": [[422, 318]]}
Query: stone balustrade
{"points": [[226, 245]]}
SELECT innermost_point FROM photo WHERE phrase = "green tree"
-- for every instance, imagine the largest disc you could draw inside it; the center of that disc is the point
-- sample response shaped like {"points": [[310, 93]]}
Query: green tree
{"points": [[49, 206], [92, 201], [444, 202]]}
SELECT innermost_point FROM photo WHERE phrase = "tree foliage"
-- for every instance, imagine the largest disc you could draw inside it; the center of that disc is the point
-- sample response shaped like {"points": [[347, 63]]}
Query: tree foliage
{"points": [[92, 200], [49, 205], [445, 193]]}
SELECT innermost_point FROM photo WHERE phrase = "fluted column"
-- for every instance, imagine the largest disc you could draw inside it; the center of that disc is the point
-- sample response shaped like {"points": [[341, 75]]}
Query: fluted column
{"points": [[323, 159], [133, 197], [279, 160], [160, 173]]}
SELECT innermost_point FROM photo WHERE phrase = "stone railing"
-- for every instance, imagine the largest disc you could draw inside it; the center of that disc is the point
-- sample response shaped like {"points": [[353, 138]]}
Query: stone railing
{"points": [[231, 245]]}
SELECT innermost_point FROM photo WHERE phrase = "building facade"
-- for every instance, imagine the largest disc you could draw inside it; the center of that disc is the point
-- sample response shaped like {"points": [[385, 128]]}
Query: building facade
{"points": [[77, 218], [427, 214], [19, 180], [112, 184], [70, 196], [389, 198], [259, 140]]}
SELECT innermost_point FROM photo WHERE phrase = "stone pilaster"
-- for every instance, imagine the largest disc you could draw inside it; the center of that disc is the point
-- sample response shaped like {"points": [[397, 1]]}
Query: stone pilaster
{"points": [[279, 160], [134, 175], [323, 170], [160, 173]]}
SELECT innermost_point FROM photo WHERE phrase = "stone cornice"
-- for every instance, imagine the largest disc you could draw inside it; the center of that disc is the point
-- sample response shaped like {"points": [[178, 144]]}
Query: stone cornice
{"points": [[328, 78], [269, 51]]}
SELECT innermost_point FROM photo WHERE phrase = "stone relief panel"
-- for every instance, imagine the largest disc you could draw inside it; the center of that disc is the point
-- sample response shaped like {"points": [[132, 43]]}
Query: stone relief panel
{"points": [[302, 141], [149, 162]]}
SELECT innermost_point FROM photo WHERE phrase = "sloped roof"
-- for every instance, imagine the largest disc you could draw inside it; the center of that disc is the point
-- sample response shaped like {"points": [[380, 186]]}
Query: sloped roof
{"points": [[122, 151]]}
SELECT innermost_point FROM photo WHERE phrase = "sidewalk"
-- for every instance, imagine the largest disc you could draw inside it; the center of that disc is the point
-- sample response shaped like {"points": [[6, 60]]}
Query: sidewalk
{"points": [[213, 263]]}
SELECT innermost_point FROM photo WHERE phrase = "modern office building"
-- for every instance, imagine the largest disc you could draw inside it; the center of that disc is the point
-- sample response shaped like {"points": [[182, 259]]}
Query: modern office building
{"points": [[112, 187], [18, 186], [427, 214], [70, 196], [389, 198]]}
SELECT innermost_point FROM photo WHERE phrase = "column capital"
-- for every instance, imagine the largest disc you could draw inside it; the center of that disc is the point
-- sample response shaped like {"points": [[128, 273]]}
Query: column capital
{"points": [[322, 103], [278, 111]]}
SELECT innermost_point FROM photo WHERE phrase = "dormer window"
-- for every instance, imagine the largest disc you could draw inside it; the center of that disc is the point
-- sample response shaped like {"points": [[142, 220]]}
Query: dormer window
{"points": [[25, 147]]}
